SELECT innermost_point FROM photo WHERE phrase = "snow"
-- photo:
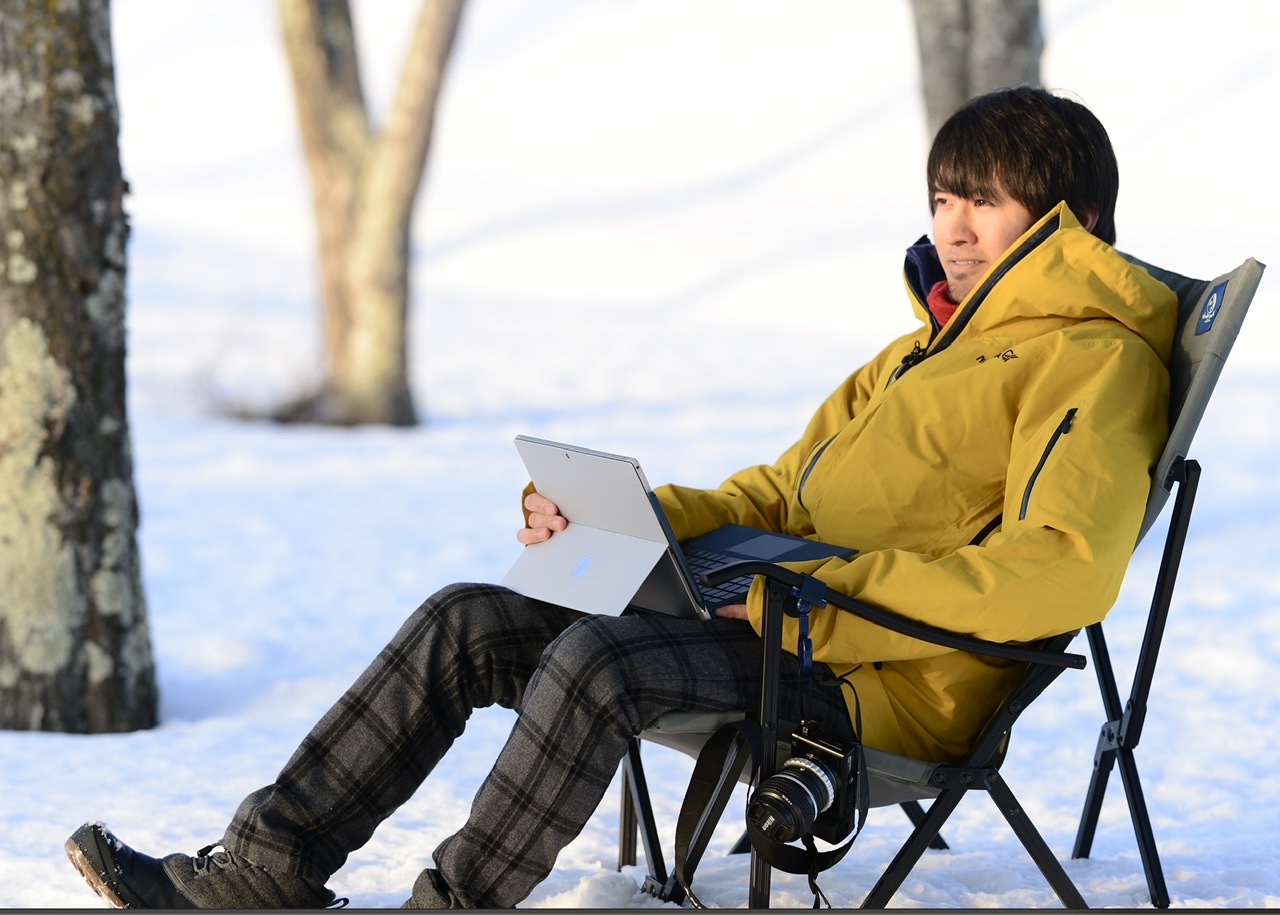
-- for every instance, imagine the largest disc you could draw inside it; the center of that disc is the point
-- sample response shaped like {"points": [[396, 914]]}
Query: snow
{"points": [[666, 229]]}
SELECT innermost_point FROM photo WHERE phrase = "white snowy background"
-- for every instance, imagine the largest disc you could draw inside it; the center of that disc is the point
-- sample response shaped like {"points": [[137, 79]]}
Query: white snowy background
{"points": [[665, 228]]}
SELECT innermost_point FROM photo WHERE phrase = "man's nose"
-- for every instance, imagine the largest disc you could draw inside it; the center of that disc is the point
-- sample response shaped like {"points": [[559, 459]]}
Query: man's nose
{"points": [[959, 226]]}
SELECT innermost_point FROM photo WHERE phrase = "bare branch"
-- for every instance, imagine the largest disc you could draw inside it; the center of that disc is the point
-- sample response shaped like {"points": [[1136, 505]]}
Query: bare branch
{"points": [[398, 159]]}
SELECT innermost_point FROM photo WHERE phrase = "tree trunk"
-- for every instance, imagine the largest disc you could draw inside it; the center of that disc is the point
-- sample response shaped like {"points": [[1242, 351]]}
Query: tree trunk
{"points": [[75, 653], [363, 185], [971, 47]]}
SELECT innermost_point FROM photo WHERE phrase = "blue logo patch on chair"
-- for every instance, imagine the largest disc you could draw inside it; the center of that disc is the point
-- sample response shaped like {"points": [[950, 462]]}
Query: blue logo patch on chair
{"points": [[1210, 309]]}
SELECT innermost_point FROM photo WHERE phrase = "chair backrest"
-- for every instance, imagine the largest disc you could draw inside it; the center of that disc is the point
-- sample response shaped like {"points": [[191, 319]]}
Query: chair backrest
{"points": [[1210, 313]]}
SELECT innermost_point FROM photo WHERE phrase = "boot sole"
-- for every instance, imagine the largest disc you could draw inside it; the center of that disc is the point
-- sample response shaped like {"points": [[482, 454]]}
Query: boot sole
{"points": [[90, 871]]}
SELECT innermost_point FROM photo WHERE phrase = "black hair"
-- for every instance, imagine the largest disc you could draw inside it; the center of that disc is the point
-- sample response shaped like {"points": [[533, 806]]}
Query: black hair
{"points": [[1040, 148]]}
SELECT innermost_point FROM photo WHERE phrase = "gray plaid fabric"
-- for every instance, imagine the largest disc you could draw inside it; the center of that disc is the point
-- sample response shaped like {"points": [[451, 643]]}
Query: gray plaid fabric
{"points": [[583, 684]]}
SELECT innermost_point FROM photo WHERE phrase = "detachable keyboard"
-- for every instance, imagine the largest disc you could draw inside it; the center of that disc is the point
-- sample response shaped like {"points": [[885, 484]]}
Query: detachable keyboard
{"points": [[733, 591]]}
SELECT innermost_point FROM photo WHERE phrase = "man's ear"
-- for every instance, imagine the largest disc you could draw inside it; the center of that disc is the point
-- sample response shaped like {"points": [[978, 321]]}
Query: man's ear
{"points": [[1089, 219]]}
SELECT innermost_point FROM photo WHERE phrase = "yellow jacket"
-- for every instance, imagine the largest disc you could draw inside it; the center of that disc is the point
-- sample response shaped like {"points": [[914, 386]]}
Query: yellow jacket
{"points": [[992, 473]]}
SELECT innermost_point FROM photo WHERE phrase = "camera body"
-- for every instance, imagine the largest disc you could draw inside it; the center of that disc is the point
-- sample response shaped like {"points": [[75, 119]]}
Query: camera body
{"points": [[811, 793]]}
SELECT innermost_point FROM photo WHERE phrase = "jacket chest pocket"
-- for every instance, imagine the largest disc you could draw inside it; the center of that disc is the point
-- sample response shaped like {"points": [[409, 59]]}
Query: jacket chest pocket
{"points": [[1063, 428], [812, 461]]}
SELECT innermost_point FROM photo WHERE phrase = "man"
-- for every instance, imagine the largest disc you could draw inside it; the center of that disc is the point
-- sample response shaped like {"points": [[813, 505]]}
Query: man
{"points": [[991, 466]]}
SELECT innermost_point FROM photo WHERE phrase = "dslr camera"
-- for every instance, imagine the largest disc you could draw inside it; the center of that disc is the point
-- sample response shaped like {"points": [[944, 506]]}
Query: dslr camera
{"points": [[811, 792]]}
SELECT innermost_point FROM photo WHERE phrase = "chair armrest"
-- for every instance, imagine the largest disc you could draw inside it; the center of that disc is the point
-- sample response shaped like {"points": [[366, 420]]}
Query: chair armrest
{"points": [[896, 622]]}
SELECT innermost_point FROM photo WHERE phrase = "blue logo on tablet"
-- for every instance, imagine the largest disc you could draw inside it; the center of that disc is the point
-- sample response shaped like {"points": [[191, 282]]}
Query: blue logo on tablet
{"points": [[1212, 306], [581, 568]]}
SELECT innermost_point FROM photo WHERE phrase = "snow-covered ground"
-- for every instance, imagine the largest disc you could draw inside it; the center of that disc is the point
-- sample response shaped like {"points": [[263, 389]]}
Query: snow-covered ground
{"points": [[660, 227]]}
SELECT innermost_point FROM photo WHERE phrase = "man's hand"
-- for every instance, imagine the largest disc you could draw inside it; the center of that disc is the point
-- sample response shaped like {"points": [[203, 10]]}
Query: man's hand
{"points": [[544, 519], [732, 612]]}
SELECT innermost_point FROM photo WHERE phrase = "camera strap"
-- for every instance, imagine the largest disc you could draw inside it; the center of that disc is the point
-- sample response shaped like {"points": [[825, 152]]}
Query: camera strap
{"points": [[725, 746], [707, 796], [812, 593]]}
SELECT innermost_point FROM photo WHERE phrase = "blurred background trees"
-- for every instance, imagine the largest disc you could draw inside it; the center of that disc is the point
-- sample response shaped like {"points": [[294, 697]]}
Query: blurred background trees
{"points": [[364, 179], [75, 651], [364, 182], [971, 47]]}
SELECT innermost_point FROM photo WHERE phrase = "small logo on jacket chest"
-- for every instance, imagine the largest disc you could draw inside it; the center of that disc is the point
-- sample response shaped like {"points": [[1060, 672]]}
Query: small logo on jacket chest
{"points": [[1003, 357]]}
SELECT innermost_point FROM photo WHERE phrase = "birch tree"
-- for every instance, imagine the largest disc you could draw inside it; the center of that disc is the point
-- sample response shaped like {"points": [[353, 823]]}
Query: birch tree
{"points": [[75, 653], [364, 182], [971, 47]]}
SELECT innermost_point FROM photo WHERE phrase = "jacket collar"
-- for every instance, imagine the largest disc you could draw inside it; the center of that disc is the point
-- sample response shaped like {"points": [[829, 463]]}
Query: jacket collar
{"points": [[1055, 256], [923, 267]]}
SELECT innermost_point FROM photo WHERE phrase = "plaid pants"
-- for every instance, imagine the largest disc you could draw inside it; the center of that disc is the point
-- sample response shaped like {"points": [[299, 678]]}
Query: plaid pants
{"points": [[583, 686]]}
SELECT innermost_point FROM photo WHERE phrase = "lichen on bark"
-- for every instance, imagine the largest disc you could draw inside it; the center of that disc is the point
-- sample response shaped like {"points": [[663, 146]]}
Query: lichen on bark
{"points": [[43, 608]]}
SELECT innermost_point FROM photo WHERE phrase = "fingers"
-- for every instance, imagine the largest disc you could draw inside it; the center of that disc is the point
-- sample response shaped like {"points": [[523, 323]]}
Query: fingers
{"points": [[544, 519], [543, 513], [528, 535], [732, 612], [538, 504]]}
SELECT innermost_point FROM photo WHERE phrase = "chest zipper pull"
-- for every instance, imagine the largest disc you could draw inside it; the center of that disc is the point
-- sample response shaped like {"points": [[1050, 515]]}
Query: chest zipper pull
{"points": [[910, 359]]}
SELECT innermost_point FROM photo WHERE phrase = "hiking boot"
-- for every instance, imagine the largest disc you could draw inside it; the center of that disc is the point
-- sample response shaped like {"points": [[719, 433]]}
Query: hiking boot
{"points": [[123, 877], [131, 880]]}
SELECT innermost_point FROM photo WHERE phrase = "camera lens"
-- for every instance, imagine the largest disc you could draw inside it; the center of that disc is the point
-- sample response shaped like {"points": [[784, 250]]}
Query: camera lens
{"points": [[786, 804]]}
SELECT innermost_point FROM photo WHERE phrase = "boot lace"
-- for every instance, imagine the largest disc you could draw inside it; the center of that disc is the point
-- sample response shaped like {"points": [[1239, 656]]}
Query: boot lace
{"points": [[208, 861]]}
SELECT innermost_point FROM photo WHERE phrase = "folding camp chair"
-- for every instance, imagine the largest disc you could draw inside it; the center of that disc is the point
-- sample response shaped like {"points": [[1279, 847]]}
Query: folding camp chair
{"points": [[893, 779], [1210, 313]]}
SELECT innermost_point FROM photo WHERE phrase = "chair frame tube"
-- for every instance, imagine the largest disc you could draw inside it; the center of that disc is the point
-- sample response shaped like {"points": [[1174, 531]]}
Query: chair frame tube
{"points": [[1123, 727]]}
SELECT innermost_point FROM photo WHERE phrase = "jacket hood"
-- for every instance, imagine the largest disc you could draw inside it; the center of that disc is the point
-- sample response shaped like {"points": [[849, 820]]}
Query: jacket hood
{"points": [[1057, 271]]}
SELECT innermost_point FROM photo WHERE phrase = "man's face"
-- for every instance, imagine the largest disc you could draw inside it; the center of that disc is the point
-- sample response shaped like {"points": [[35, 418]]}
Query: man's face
{"points": [[972, 233]]}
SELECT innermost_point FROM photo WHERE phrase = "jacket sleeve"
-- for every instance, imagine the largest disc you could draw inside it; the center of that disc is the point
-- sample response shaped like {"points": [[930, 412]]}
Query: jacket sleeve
{"points": [[1076, 488], [760, 496]]}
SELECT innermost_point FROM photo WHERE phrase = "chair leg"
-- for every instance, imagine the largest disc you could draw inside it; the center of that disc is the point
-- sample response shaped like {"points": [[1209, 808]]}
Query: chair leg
{"points": [[1142, 829], [642, 818], [1109, 741], [919, 840], [915, 813], [627, 824], [1112, 748], [930, 825], [1102, 765], [1123, 728], [1034, 843]]}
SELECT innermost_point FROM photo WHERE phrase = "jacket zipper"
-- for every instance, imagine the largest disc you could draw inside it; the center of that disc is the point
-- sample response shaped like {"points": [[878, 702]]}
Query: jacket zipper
{"points": [[987, 530], [1063, 428]]}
